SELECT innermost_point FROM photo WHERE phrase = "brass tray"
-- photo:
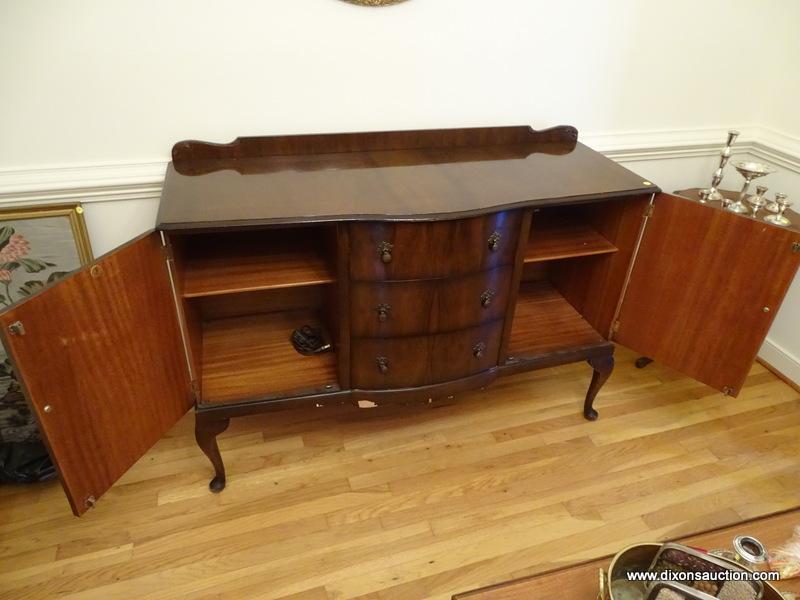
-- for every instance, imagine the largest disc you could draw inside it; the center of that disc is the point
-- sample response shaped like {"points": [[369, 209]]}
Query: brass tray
{"points": [[640, 557]]}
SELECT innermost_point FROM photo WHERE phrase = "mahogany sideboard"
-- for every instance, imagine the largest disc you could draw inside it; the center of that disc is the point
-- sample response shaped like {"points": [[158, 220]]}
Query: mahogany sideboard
{"points": [[435, 261]]}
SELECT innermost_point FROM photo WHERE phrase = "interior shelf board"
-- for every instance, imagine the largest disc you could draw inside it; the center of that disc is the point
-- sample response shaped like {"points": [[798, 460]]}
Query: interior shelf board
{"points": [[242, 270], [551, 241], [544, 322], [252, 356]]}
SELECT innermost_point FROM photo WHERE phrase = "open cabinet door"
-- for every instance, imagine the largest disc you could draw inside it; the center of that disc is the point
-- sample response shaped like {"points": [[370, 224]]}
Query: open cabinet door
{"points": [[704, 289], [100, 357]]}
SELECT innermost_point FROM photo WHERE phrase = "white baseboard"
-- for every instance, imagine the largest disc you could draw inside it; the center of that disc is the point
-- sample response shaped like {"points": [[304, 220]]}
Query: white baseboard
{"points": [[781, 360]]}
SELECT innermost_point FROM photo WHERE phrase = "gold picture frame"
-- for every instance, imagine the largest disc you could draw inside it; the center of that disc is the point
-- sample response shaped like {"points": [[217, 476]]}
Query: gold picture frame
{"points": [[39, 244], [73, 211]]}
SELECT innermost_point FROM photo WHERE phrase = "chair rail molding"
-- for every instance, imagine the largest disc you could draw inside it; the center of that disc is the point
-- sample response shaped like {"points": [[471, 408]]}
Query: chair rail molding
{"points": [[778, 148], [87, 183], [143, 180]]}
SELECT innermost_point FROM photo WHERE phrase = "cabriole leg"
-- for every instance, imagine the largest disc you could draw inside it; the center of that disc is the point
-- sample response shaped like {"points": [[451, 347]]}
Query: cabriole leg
{"points": [[602, 365], [206, 431]]}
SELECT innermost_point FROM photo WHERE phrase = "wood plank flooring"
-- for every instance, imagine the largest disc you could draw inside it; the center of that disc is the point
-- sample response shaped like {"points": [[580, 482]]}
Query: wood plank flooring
{"points": [[416, 502]]}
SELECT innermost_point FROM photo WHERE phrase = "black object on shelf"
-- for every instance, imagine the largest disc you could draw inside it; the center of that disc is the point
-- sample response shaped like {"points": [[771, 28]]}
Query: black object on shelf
{"points": [[309, 340]]}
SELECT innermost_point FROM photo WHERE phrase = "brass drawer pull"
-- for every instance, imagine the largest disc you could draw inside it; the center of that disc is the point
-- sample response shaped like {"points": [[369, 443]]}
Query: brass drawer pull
{"points": [[385, 251], [383, 311], [383, 364], [478, 349], [486, 298], [494, 241]]}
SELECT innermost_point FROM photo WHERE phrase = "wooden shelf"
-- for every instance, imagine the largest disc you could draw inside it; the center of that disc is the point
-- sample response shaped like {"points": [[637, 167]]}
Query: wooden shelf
{"points": [[233, 266], [251, 357], [545, 322], [559, 239]]}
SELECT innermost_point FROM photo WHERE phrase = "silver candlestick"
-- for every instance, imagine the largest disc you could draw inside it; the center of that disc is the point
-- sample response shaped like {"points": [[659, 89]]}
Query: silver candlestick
{"points": [[779, 219], [750, 171], [773, 205], [712, 193], [758, 201]]}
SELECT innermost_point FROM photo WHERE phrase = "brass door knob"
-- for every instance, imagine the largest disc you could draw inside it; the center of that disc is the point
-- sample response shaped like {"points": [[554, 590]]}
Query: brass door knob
{"points": [[383, 311], [383, 364], [486, 298], [494, 241], [385, 251], [478, 349]]}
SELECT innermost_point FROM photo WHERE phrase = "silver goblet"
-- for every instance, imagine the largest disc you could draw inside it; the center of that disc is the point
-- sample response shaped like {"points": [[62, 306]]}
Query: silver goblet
{"points": [[758, 201], [779, 219], [750, 171]]}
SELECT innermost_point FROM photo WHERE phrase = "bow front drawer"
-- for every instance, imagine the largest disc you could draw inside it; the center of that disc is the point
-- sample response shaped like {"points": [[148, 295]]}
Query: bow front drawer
{"points": [[386, 363], [403, 308], [385, 251]]}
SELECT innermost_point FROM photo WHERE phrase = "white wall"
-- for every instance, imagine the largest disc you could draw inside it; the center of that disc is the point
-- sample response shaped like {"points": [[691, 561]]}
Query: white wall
{"points": [[94, 93], [777, 96], [782, 347], [91, 81], [779, 114]]}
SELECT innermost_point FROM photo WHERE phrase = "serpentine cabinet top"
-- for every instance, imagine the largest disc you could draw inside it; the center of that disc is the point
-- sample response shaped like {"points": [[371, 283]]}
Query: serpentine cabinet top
{"points": [[390, 176]]}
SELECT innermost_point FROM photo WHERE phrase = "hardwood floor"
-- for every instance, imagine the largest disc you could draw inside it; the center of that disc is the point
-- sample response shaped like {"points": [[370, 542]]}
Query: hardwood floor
{"points": [[414, 503]]}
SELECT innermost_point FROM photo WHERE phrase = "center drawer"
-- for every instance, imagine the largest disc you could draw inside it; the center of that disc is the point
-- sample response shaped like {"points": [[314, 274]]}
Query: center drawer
{"points": [[403, 308], [387, 363], [384, 251]]}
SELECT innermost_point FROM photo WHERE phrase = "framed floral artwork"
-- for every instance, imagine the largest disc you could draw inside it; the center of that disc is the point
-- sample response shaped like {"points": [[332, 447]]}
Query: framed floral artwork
{"points": [[38, 245]]}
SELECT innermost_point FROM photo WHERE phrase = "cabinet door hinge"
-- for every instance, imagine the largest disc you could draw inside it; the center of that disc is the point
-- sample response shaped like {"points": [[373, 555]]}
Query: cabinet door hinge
{"points": [[796, 247], [169, 260], [648, 211], [195, 390], [166, 248], [615, 327]]}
